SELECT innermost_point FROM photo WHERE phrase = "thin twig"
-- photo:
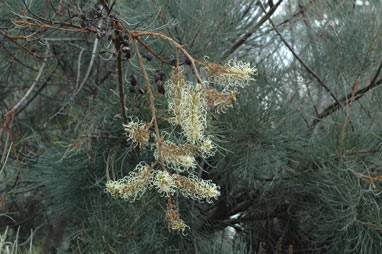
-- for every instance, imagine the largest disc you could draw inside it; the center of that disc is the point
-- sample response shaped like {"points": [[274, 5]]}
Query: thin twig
{"points": [[15, 107], [348, 109], [152, 100], [336, 106], [299, 59], [78, 88], [245, 37], [18, 44]]}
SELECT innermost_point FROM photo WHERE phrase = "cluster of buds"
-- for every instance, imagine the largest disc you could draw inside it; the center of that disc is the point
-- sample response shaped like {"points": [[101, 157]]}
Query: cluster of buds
{"points": [[188, 107]]}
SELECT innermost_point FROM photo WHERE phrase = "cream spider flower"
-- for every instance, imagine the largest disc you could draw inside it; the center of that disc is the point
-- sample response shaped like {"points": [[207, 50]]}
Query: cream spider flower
{"points": [[164, 183], [207, 149], [174, 87], [177, 157], [197, 188], [220, 101], [173, 218], [132, 186], [138, 132], [194, 115], [232, 75]]}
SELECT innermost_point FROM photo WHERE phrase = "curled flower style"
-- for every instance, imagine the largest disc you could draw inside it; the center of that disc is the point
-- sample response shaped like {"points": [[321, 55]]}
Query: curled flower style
{"points": [[164, 183], [207, 149], [173, 218], [138, 132], [174, 87], [232, 75], [133, 186], [193, 110], [218, 100], [177, 157], [196, 188]]}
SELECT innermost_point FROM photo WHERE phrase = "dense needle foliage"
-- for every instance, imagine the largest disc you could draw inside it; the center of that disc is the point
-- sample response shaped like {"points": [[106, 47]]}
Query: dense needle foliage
{"points": [[297, 151]]}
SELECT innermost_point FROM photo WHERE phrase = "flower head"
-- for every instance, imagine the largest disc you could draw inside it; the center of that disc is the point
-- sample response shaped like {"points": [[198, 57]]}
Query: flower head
{"points": [[207, 149], [197, 188], [173, 218], [138, 132], [132, 186], [194, 114], [177, 157], [164, 183], [174, 87], [232, 75]]}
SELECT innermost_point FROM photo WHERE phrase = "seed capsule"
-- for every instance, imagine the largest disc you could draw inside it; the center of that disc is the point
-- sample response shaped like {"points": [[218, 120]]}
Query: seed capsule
{"points": [[141, 91], [172, 60], [149, 56], [34, 48], [83, 16], [133, 80], [99, 14], [161, 89], [159, 83], [83, 24], [187, 61], [126, 49], [157, 76], [132, 89], [162, 74], [125, 42], [120, 37]]}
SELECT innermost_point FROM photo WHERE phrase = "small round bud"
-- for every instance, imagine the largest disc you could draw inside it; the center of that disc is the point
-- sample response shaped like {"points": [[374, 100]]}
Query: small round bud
{"points": [[83, 16]]}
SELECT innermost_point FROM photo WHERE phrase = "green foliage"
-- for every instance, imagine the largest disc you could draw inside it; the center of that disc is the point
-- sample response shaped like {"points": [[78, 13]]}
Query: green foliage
{"points": [[283, 176]]}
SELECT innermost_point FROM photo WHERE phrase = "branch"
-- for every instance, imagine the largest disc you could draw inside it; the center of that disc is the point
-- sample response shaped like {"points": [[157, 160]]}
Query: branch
{"points": [[78, 89], [242, 40], [14, 108], [120, 80], [18, 44], [300, 60], [337, 105]]}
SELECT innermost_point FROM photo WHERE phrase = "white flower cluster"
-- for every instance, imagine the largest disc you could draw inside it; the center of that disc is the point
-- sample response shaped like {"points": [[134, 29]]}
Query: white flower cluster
{"points": [[196, 188], [138, 132], [132, 186], [232, 75], [176, 157]]}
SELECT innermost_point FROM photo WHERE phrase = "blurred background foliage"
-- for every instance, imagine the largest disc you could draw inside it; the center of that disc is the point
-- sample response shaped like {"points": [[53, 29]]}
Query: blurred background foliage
{"points": [[299, 157]]}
